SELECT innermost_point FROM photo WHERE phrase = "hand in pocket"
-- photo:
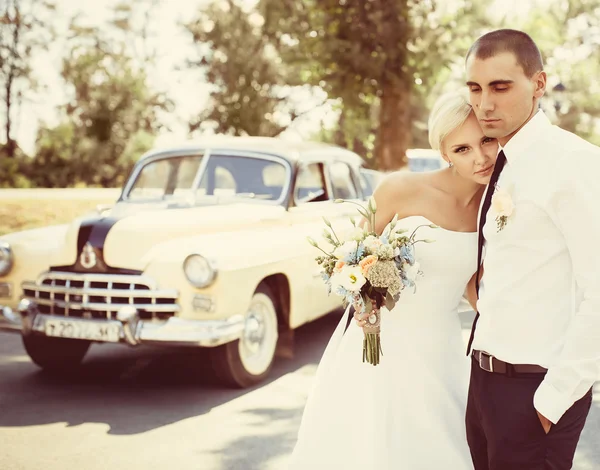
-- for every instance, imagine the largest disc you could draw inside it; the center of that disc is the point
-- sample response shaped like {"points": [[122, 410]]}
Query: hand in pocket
{"points": [[546, 423]]}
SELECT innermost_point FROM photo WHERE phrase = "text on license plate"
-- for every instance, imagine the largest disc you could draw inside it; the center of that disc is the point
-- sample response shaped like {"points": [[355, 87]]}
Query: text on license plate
{"points": [[90, 330]]}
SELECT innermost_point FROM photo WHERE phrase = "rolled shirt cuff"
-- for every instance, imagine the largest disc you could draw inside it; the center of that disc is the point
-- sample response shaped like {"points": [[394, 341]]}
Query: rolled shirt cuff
{"points": [[550, 403]]}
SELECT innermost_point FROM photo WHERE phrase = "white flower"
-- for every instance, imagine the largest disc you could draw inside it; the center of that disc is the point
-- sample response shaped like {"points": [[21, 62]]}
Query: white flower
{"points": [[502, 203], [350, 278], [345, 249], [385, 251], [411, 271], [357, 234], [372, 204], [371, 243]]}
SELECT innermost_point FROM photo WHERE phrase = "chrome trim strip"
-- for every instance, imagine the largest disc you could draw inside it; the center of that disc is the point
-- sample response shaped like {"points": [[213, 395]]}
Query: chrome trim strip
{"points": [[171, 294], [97, 307], [93, 277], [200, 172]]}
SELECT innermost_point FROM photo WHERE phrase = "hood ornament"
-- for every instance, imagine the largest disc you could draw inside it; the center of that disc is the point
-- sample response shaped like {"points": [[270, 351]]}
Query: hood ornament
{"points": [[88, 256]]}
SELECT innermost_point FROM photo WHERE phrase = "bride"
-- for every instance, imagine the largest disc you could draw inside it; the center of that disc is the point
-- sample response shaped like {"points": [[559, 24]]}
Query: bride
{"points": [[408, 412]]}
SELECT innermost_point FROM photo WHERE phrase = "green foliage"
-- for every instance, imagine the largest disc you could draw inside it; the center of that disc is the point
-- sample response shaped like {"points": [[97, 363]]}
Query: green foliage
{"points": [[13, 164], [249, 93], [111, 115], [381, 59], [380, 64], [24, 31], [568, 34]]}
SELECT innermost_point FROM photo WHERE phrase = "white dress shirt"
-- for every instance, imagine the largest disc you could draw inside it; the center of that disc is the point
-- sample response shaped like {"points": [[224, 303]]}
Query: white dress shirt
{"points": [[539, 300]]}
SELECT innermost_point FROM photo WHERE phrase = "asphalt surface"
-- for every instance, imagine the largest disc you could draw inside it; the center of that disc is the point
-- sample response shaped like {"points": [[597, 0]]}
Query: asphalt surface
{"points": [[151, 408]]}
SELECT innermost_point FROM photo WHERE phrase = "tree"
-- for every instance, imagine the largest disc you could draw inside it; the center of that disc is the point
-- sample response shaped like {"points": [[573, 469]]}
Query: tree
{"points": [[110, 113], [568, 34], [23, 32], [249, 92], [380, 58]]}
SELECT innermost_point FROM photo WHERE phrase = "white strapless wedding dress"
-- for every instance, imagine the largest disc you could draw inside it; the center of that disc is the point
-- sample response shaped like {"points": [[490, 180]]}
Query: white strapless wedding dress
{"points": [[408, 412]]}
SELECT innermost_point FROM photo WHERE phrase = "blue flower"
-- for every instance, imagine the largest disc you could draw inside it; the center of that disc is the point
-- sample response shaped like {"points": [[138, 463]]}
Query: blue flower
{"points": [[407, 252], [341, 292], [354, 256]]}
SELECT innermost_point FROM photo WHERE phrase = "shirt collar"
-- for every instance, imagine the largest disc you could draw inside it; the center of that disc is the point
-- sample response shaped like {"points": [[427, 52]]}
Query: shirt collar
{"points": [[518, 146]]}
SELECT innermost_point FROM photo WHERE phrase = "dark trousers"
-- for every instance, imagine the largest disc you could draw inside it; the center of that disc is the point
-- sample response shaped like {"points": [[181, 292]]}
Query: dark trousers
{"points": [[504, 431]]}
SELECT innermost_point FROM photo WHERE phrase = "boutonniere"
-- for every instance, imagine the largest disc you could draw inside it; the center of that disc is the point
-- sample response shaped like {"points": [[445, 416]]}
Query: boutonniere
{"points": [[503, 207]]}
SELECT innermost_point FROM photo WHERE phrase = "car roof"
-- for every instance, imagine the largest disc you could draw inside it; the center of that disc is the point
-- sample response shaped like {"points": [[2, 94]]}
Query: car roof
{"points": [[423, 153], [293, 151]]}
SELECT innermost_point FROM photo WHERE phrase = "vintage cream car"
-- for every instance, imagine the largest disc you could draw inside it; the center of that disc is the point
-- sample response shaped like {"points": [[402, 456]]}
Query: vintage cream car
{"points": [[206, 247]]}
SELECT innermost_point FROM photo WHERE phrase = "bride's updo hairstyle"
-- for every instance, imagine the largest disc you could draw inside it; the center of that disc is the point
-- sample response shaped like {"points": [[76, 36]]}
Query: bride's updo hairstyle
{"points": [[450, 111]]}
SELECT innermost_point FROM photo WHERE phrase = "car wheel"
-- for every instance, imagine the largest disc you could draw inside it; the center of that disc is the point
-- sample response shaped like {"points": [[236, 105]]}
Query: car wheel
{"points": [[248, 361], [55, 354]]}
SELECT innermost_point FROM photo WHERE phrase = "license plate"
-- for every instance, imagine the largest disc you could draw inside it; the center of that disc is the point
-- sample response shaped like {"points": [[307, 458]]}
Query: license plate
{"points": [[89, 330]]}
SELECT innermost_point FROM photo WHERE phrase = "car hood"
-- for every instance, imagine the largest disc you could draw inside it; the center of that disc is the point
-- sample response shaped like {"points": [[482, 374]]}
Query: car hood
{"points": [[121, 241]]}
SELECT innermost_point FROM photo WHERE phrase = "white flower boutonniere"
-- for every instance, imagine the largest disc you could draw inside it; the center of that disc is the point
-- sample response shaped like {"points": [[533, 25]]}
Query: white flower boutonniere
{"points": [[503, 207]]}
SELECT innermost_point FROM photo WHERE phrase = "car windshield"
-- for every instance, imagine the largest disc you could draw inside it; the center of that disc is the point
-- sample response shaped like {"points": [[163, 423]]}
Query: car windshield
{"points": [[223, 176], [247, 177], [164, 178]]}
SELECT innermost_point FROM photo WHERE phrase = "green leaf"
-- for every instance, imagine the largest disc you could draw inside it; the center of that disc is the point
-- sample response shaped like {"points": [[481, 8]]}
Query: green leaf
{"points": [[390, 303]]}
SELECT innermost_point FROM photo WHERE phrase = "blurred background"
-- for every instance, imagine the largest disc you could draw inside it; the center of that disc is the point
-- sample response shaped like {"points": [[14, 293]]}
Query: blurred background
{"points": [[87, 86]]}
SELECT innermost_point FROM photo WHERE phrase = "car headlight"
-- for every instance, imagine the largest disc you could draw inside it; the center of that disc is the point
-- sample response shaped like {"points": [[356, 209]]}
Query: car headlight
{"points": [[6, 258], [199, 271]]}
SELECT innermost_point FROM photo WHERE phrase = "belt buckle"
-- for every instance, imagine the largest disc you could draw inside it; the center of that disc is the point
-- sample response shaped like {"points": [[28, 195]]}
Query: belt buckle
{"points": [[483, 358]]}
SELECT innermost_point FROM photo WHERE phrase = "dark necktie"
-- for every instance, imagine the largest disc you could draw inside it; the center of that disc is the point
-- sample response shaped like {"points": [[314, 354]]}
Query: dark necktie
{"points": [[500, 161]]}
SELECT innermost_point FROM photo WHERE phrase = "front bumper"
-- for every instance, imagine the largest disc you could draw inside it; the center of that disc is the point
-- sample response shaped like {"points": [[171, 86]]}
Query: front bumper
{"points": [[134, 331], [9, 320]]}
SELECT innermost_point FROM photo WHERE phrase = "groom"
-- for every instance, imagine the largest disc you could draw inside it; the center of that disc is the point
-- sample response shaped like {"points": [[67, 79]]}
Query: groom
{"points": [[535, 343]]}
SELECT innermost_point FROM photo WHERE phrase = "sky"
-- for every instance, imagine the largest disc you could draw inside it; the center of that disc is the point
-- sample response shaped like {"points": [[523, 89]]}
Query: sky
{"points": [[186, 89]]}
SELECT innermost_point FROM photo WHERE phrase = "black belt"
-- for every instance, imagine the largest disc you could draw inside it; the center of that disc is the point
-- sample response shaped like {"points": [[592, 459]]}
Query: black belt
{"points": [[491, 364]]}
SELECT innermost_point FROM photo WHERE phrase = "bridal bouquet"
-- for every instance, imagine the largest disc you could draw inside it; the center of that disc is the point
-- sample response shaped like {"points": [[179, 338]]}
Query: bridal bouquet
{"points": [[369, 270]]}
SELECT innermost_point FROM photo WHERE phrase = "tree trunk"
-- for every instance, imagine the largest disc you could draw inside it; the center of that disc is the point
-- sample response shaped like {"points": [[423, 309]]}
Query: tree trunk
{"points": [[10, 144], [393, 135], [339, 137]]}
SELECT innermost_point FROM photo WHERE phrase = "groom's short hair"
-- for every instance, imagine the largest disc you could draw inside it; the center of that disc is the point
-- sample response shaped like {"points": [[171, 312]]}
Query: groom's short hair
{"points": [[509, 40]]}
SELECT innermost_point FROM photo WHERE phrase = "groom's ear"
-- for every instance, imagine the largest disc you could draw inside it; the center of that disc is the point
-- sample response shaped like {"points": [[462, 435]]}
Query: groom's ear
{"points": [[539, 82]]}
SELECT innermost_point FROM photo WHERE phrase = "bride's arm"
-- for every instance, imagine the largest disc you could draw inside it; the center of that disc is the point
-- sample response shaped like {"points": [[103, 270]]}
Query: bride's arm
{"points": [[394, 195], [471, 292]]}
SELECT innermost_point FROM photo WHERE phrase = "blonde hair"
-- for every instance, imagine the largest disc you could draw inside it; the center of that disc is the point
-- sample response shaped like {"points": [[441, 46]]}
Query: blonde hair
{"points": [[449, 112]]}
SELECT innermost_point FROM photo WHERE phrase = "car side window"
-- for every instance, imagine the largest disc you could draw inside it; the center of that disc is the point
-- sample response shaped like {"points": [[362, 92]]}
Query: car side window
{"points": [[365, 185], [310, 184], [342, 183], [369, 179]]}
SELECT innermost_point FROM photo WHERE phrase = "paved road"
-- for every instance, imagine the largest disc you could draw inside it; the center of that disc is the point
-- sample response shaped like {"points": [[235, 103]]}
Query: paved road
{"points": [[151, 408]]}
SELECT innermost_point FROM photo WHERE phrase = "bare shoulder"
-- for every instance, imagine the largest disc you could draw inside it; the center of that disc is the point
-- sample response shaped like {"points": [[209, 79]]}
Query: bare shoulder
{"points": [[401, 184], [399, 191]]}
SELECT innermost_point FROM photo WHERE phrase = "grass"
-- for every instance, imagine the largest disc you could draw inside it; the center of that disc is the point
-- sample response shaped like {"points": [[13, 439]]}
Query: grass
{"points": [[24, 214]]}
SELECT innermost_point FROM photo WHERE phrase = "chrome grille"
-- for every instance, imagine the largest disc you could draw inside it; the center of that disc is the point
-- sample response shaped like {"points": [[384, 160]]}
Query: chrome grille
{"points": [[100, 295]]}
